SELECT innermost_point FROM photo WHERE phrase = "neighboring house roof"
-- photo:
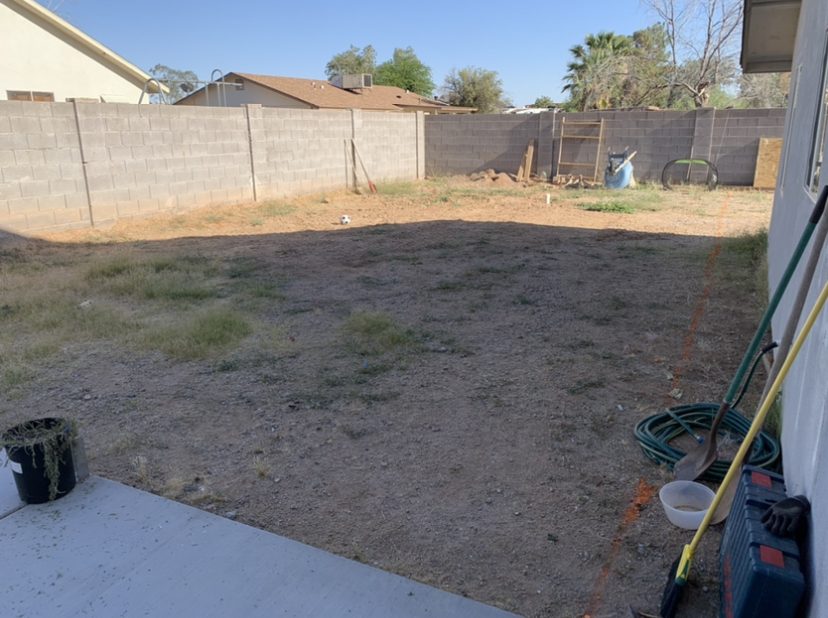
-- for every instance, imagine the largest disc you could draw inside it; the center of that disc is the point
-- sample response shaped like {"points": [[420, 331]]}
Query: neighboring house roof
{"points": [[324, 95], [88, 43]]}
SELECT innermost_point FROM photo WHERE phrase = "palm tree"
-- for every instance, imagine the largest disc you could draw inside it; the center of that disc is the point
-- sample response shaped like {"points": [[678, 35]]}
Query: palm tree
{"points": [[593, 77]]}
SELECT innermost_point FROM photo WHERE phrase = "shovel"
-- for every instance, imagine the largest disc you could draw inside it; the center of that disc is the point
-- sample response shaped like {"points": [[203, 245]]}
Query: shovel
{"points": [[701, 457], [680, 570], [723, 509]]}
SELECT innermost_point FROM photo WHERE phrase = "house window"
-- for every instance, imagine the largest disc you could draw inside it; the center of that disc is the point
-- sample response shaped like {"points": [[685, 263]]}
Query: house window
{"points": [[28, 95], [793, 97], [239, 83], [818, 141]]}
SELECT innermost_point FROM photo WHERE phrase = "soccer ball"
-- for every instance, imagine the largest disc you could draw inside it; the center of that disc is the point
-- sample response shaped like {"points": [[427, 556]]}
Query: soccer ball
{"points": [[344, 219]]}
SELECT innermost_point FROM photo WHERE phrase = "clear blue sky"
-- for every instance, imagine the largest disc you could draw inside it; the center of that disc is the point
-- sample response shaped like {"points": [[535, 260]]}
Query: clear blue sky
{"points": [[527, 43]]}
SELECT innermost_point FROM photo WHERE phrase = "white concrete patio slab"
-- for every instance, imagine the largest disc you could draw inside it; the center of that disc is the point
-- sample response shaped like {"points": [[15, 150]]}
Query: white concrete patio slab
{"points": [[111, 550]]}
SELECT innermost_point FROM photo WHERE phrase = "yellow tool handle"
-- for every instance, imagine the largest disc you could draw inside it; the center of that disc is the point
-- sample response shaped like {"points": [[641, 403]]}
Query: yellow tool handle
{"points": [[755, 427]]}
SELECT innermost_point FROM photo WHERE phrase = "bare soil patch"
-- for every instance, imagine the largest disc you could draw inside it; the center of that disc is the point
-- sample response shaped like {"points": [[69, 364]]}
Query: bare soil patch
{"points": [[446, 388]]}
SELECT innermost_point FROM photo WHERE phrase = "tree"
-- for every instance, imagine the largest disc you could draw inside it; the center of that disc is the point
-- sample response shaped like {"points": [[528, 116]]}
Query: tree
{"points": [[179, 82], [351, 61], [474, 87], [701, 40], [648, 78], [405, 70], [595, 75], [765, 89], [545, 102]]}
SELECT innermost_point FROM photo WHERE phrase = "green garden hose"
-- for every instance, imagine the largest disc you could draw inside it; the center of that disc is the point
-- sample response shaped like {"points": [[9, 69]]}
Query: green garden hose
{"points": [[655, 433]]}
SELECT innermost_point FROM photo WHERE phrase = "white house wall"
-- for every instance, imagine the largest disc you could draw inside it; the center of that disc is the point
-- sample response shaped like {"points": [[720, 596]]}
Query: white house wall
{"points": [[805, 393], [37, 57], [251, 93]]}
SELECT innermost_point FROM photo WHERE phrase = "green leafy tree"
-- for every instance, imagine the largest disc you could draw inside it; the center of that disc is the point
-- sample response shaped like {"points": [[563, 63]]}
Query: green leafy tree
{"points": [[474, 87], [545, 102], [723, 98], [648, 77], [352, 60], [594, 78], [405, 70], [765, 89], [180, 83]]}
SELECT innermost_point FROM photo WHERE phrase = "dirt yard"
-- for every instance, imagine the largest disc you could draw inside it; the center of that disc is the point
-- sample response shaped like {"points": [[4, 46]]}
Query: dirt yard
{"points": [[445, 388]]}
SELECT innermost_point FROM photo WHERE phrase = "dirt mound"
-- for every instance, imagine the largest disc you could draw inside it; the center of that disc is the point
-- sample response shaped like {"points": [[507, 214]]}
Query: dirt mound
{"points": [[491, 176]]}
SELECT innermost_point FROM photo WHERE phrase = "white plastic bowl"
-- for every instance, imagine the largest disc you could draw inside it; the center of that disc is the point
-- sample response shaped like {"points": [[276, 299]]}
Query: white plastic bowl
{"points": [[685, 503]]}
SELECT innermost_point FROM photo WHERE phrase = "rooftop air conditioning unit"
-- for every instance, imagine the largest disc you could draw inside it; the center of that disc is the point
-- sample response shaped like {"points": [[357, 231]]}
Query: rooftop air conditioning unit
{"points": [[353, 81]]}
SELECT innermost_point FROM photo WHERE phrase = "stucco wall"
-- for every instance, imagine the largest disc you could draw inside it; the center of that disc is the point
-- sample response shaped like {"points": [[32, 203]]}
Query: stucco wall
{"points": [[805, 393], [250, 94], [73, 164], [35, 57]]}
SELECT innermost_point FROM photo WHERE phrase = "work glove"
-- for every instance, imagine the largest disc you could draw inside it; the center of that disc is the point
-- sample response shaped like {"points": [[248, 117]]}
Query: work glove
{"points": [[785, 517]]}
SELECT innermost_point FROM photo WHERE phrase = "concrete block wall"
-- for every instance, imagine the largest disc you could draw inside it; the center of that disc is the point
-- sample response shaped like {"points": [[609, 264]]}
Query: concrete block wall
{"points": [[735, 142], [142, 159], [469, 143], [296, 151], [41, 174], [657, 137], [388, 143], [464, 144], [79, 164]]}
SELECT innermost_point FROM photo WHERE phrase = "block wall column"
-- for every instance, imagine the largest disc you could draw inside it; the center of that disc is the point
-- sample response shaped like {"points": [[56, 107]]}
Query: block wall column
{"points": [[253, 114]]}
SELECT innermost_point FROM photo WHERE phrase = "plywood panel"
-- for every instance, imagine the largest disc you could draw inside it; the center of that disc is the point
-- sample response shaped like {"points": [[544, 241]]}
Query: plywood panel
{"points": [[767, 162]]}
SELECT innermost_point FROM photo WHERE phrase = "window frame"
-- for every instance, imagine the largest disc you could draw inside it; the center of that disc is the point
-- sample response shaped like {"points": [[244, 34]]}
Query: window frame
{"points": [[36, 96], [18, 95], [816, 162]]}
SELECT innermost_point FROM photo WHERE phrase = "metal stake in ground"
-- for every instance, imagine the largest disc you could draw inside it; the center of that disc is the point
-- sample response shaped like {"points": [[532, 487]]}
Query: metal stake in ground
{"points": [[371, 185]]}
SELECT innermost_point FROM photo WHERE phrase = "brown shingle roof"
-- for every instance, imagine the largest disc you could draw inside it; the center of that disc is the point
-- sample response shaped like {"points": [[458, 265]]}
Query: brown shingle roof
{"points": [[318, 93], [325, 95]]}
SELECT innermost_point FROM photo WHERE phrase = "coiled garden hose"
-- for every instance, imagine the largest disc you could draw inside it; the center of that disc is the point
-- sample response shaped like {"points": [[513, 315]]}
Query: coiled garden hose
{"points": [[655, 433]]}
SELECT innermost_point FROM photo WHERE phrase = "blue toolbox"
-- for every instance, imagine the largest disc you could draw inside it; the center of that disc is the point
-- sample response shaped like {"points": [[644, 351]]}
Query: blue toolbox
{"points": [[760, 572]]}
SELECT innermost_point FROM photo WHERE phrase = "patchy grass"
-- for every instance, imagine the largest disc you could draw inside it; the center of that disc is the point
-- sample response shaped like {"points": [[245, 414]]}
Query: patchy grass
{"points": [[745, 260], [199, 335], [773, 421], [612, 206], [261, 467], [374, 333], [14, 374], [449, 286], [398, 188], [751, 249], [628, 201], [143, 301], [165, 278], [274, 209]]}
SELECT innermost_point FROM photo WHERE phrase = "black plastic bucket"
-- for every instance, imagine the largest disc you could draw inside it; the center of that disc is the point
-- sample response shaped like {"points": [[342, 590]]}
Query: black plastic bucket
{"points": [[29, 462]]}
